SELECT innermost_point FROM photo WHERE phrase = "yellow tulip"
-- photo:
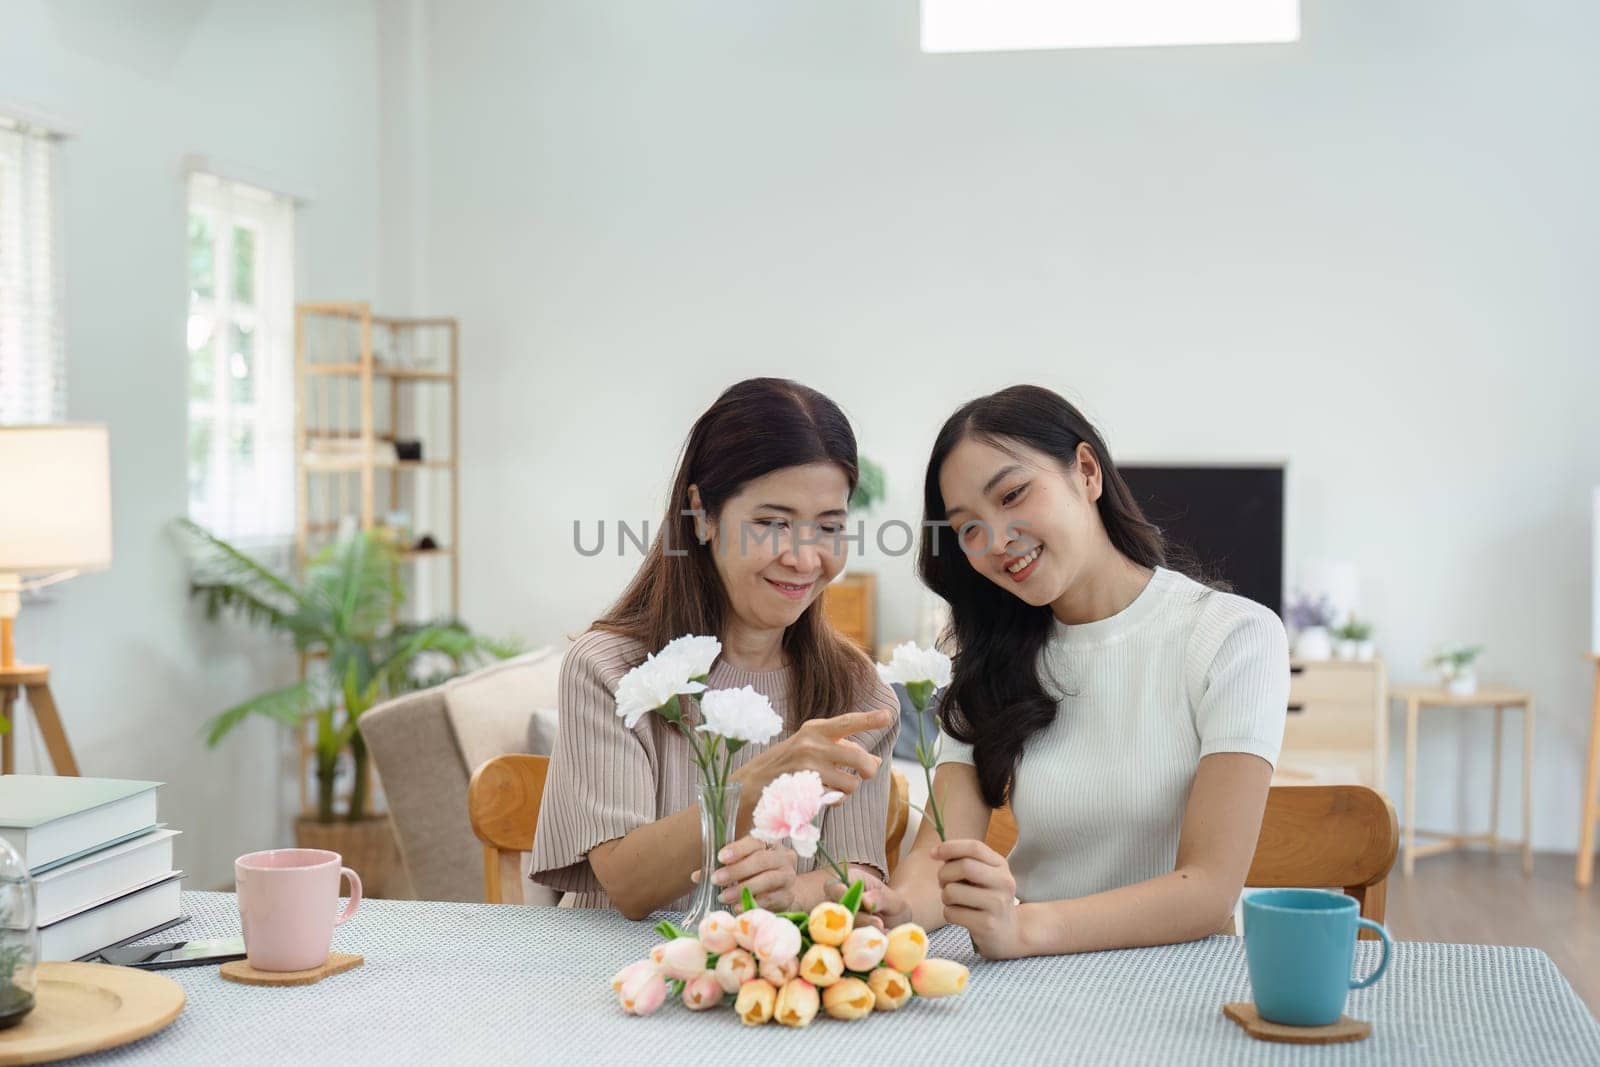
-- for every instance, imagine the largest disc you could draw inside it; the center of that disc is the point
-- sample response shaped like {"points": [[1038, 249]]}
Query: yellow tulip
{"points": [[797, 1003], [830, 923], [890, 989], [755, 1003], [848, 998], [939, 978], [908, 946], [821, 966]]}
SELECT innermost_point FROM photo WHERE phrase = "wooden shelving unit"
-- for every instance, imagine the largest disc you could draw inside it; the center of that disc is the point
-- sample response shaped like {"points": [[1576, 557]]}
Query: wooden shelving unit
{"points": [[362, 382]]}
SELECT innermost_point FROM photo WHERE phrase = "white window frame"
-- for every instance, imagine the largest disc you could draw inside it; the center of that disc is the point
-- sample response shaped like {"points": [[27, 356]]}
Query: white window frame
{"points": [[33, 362], [250, 503]]}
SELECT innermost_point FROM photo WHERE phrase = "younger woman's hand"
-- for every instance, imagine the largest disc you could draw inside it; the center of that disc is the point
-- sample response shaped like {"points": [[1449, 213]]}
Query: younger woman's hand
{"points": [[979, 892], [766, 871]]}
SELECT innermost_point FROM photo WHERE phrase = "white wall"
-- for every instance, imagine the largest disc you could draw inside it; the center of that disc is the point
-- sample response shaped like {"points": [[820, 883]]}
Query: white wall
{"points": [[288, 89], [1370, 253]]}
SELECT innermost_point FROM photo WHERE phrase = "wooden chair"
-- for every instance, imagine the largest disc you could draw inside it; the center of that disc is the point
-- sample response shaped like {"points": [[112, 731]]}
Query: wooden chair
{"points": [[899, 815], [1312, 836], [503, 806]]}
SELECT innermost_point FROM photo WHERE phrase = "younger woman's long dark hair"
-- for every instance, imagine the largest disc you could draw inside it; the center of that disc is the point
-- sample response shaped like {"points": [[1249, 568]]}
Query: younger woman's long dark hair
{"points": [[997, 699], [755, 427]]}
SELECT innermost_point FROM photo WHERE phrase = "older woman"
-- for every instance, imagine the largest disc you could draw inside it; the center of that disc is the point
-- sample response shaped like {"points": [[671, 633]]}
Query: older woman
{"points": [[749, 542]]}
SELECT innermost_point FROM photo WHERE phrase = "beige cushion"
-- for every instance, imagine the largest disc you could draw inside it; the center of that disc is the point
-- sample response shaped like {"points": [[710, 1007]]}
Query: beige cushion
{"points": [[496, 710]]}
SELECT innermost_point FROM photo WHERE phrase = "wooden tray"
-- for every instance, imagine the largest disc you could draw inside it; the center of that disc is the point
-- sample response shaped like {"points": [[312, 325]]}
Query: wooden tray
{"points": [[86, 1007]]}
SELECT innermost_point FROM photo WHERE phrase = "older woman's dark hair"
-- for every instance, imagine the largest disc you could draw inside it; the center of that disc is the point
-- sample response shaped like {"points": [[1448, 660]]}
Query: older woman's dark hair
{"points": [[756, 427]]}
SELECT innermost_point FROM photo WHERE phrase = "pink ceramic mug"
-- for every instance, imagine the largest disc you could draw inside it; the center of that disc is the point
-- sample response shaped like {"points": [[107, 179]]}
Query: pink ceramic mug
{"points": [[287, 898]]}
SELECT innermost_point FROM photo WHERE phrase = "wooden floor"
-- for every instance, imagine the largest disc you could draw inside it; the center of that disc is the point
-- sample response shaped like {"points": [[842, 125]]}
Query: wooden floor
{"points": [[1478, 898]]}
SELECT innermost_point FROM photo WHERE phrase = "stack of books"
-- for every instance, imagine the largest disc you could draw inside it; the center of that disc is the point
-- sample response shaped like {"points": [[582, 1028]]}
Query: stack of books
{"points": [[101, 863]]}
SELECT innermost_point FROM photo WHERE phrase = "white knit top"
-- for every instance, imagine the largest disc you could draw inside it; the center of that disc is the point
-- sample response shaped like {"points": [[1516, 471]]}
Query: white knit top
{"points": [[1180, 673]]}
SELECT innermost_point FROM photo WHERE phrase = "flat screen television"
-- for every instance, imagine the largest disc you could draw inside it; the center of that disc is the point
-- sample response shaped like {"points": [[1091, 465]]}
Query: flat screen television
{"points": [[1229, 518]]}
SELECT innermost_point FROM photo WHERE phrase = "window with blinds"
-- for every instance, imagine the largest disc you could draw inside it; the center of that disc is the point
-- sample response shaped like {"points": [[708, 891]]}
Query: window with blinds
{"points": [[33, 385], [241, 362]]}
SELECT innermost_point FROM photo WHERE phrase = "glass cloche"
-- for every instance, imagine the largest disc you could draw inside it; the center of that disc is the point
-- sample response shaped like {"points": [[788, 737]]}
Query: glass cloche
{"points": [[19, 937]]}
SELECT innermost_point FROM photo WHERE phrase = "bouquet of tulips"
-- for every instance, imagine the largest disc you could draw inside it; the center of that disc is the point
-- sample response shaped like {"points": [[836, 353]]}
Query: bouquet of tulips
{"points": [[786, 966]]}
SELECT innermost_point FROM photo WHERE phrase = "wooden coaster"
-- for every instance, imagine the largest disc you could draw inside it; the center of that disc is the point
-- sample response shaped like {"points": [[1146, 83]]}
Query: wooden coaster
{"points": [[1346, 1029], [241, 971]]}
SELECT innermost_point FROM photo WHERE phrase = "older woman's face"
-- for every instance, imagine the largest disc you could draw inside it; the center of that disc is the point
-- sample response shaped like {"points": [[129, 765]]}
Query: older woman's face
{"points": [[776, 543]]}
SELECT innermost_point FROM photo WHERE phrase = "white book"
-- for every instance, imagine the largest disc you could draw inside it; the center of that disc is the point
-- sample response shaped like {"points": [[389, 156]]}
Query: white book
{"points": [[113, 922], [102, 876], [54, 819]]}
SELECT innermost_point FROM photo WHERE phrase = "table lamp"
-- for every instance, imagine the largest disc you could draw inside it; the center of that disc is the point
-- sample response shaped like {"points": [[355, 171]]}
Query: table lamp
{"points": [[55, 524]]}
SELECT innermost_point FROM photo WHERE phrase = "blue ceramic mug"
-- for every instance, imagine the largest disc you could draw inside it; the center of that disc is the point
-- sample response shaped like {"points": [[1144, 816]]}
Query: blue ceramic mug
{"points": [[1300, 944]]}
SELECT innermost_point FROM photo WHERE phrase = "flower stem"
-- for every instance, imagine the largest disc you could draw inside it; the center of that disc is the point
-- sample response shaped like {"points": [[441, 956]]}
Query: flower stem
{"points": [[925, 758], [842, 874]]}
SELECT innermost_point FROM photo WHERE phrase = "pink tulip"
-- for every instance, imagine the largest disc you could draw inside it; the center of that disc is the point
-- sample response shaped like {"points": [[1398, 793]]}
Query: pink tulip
{"points": [[717, 932], [623, 976], [747, 925], [643, 993], [684, 958], [779, 973], [777, 940], [702, 993], [734, 969], [863, 949]]}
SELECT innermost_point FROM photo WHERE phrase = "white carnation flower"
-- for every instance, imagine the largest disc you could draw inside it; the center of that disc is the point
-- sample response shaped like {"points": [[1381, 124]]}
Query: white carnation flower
{"points": [[742, 715], [911, 664], [651, 684], [698, 653]]}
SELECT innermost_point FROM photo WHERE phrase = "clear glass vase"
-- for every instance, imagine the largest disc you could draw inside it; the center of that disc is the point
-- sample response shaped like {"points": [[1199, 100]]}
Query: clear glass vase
{"points": [[19, 938], [719, 816]]}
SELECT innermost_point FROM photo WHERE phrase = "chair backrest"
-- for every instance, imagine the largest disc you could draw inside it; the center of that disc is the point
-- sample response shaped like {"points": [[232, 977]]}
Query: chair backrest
{"points": [[899, 815], [503, 807], [1312, 836]]}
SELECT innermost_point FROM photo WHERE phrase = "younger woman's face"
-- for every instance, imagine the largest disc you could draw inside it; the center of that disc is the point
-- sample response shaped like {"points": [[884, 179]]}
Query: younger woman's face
{"points": [[775, 543], [1023, 522]]}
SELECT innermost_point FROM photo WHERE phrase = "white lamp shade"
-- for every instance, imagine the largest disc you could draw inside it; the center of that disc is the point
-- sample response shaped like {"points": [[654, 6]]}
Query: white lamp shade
{"points": [[55, 514]]}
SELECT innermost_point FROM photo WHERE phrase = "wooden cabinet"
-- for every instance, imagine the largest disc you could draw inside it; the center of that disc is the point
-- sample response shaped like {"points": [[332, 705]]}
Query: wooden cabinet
{"points": [[1337, 727], [851, 605]]}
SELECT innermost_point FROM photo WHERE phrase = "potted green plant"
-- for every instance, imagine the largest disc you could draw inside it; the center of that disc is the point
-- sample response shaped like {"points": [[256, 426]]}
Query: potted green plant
{"points": [[1457, 667], [342, 616], [1353, 640]]}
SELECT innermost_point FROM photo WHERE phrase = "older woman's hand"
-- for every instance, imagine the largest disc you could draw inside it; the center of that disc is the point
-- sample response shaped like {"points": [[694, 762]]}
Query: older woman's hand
{"points": [[819, 745], [767, 871]]}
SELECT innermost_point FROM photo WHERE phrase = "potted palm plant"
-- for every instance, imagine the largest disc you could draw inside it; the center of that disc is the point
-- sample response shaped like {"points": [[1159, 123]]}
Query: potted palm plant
{"points": [[342, 616]]}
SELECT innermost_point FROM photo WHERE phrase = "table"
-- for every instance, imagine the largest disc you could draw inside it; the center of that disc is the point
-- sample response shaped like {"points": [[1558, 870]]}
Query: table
{"points": [[1418, 697], [1590, 809], [481, 983]]}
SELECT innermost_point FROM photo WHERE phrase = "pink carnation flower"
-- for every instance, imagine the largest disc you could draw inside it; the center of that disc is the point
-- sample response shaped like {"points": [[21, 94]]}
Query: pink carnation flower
{"points": [[789, 807]]}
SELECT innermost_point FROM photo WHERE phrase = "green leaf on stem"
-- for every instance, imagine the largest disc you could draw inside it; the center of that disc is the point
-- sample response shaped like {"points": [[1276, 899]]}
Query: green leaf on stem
{"points": [[747, 900], [852, 896]]}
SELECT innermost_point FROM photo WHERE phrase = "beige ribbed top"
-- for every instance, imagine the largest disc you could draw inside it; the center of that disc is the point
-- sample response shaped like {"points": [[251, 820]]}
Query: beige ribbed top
{"points": [[606, 780]]}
